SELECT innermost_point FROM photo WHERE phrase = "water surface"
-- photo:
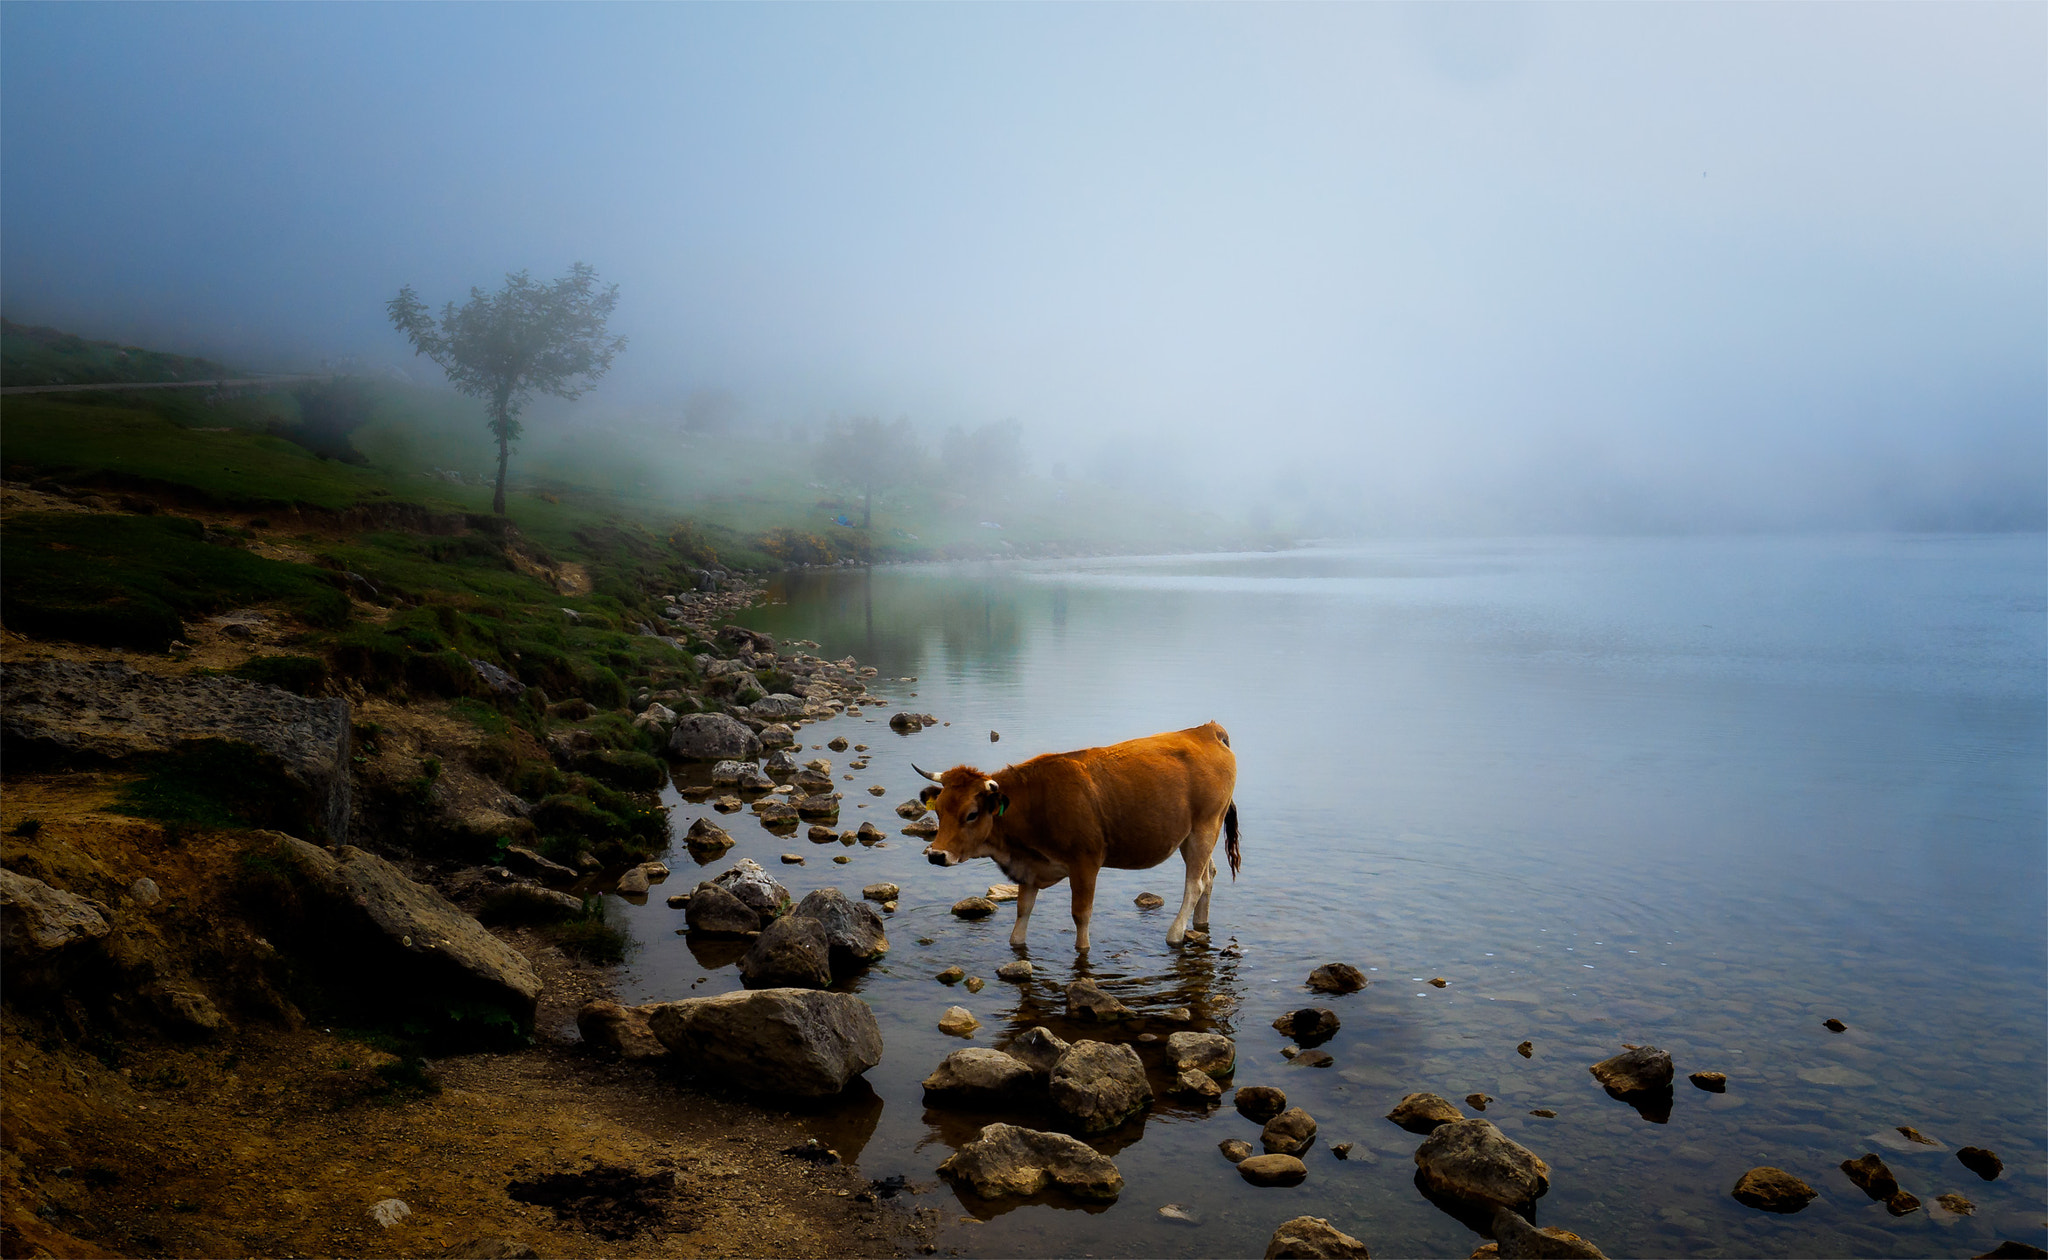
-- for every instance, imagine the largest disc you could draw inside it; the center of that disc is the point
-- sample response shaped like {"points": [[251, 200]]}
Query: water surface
{"points": [[1697, 793]]}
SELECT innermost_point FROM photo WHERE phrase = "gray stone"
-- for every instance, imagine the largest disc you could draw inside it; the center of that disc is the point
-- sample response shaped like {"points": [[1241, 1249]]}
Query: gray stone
{"points": [[754, 779], [1638, 1070], [1472, 1160], [1005, 1160], [715, 912], [1018, 970], [1313, 1238], [1272, 1170], [40, 924], [712, 737], [958, 1021], [1289, 1133], [790, 953], [800, 1042], [706, 836], [823, 805], [527, 862], [144, 892], [906, 723], [881, 892], [777, 735], [912, 808], [633, 883], [405, 935], [1424, 1113], [777, 708], [974, 908], [760, 891], [778, 814], [727, 773], [1148, 901], [978, 1077], [1336, 978], [1087, 1000], [107, 712], [1098, 1085], [1236, 1150], [519, 900], [779, 763], [1211, 1053], [853, 931], [184, 1011], [1199, 1086]]}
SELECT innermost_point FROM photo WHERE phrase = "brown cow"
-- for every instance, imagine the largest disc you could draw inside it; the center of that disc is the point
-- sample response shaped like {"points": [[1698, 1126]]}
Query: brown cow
{"points": [[1068, 815]]}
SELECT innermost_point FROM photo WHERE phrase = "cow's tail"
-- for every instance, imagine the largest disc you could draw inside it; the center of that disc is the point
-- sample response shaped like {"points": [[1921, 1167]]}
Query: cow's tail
{"points": [[1230, 849]]}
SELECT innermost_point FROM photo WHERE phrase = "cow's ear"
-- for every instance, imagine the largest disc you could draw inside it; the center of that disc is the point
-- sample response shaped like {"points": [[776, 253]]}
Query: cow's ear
{"points": [[930, 794], [1002, 803]]}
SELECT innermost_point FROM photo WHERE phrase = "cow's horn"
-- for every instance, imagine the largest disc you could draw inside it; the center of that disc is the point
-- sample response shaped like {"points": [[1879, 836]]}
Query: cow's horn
{"points": [[926, 773], [991, 786]]}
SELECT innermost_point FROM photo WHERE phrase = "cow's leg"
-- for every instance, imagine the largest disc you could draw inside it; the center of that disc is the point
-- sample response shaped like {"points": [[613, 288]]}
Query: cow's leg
{"points": [[1084, 907], [1192, 892], [1027, 894]]}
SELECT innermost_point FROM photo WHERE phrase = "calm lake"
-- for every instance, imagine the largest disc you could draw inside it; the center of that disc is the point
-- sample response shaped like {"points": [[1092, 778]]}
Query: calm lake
{"points": [[1700, 793]]}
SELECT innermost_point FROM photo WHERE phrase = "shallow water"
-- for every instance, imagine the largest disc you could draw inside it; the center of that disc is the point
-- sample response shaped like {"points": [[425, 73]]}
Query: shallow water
{"points": [[1697, 793]]}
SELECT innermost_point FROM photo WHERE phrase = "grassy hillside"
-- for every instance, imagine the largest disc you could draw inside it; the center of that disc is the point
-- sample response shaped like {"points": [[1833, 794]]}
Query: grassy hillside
{"points": [[31, 355]]}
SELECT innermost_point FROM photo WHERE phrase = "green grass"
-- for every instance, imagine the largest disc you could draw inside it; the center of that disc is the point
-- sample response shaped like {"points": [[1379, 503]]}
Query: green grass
{"points": [[219, 784], [132, 581], [30, 355]]}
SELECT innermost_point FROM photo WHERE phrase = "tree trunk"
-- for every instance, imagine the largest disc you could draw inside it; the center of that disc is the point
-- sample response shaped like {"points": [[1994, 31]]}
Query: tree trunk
{"points": [[867, 507], [501, 428], [498, 498]]}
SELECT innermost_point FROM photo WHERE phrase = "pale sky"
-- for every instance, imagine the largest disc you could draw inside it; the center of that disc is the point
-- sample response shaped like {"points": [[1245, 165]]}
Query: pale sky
{"points": [[1458, 266]]}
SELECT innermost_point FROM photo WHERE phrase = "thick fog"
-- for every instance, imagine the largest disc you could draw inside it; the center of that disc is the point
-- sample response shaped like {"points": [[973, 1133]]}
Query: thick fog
{"points": [[1371, 267]]}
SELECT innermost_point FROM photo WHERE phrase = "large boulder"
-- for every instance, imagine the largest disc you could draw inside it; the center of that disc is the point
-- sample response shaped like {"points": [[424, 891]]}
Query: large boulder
{"points": [[853, 931], [1473, 1161], [1313, 1238], [1211, 1053], [715, 912], [712, 737], [70, 711], [392, 933], [761, 892], [978, 1077], [799, 1042], [790, 953], [1005, 1160], [1098, 1085]]}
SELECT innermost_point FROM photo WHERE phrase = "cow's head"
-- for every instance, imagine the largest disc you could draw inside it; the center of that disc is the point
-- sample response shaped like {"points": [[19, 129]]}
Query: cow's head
{"points": [[968, 804]]}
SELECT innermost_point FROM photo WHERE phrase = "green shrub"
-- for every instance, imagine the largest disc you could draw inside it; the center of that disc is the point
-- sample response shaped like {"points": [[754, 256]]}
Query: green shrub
{"points": [[302, 674]]}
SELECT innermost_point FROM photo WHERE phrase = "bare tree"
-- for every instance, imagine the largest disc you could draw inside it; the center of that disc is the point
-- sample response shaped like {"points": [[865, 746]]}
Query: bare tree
{"points": [[526, 338]]}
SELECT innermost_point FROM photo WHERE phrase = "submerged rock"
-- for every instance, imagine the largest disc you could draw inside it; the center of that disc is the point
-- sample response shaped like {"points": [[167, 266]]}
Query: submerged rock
{"points": [[1712, 1082], [1773, 1190], [1519, 1240], [1236, 1150], [1639, 1070], [1087, 1000], [1310, 1025], [1984, 1163], [1871, 1176], [1259, 1103], [1005, 1160], [1313, 1238]]}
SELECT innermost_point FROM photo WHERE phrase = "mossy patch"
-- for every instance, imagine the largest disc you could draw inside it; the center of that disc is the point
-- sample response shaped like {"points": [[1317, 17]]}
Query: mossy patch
{"points": [[221, 784]]}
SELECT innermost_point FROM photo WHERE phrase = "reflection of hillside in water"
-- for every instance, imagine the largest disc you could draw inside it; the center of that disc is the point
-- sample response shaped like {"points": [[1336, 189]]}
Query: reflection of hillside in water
{"points": [[894, 620]]}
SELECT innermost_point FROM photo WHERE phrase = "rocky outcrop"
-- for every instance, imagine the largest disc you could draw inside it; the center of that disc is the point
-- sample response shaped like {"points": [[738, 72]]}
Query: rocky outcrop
{"points": [[44, 929], [1773, 1190], [1313, 1238], [1098, 1085], [1424, 1113], [1005, 1160], [1336, 978], [712, 737], [390, 932], [70, 712], [799, 1042], [619, 1032], [790, 953], [1212, 1054], [1473, 1161], [979, 1078]]}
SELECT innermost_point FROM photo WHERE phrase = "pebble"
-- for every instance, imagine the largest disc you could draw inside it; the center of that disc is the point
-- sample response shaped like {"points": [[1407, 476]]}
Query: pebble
{"points": [[881, 892], [1545, 1112], [889, 907], [877, 789], [792, 859], [975, 984], [1235, 1149], [951, 975], [1272, 1170], [1527, 1049], [388, 1212], [1172, 1211], [677, 901], [1018, 970], [837, 744], [1834, 1025], [840, 858], [1002, 892], [974, 907], [1342, 1150], [1148, 901], [1477, 1101], [1438, 981], [1957, 1203], [1712, 1082], [1984, 1163]]}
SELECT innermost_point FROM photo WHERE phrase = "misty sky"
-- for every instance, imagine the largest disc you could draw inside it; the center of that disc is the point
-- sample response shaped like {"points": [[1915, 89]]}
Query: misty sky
{"points": [[1457, 266]]}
